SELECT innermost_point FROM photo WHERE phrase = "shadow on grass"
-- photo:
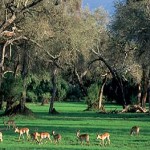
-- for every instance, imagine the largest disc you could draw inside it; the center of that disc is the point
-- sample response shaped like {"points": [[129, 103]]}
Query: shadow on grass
{"points": [[95, 115]]}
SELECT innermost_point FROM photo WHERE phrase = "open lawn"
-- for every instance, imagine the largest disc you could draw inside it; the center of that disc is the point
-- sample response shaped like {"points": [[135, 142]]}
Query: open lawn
{"points": [[71, 118]]}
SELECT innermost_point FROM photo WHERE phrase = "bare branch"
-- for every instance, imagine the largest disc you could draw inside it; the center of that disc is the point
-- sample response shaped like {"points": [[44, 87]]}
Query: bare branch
{"points": [[95, 52], [7, 23], [35, 2], [53, 57], [33, 41], [15, 11], [84, 73]]}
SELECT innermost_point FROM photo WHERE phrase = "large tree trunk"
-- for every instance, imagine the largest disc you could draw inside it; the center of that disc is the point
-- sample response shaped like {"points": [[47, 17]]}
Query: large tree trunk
{"points": [[145, 80], [24, 73], [51, 108], [1, 95], [149, 96], [1, 101], [23, 98], [2, 53]]}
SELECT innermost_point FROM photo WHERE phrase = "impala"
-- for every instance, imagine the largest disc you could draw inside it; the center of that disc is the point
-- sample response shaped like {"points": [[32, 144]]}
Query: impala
{"points": [[135, 130], [57, 137], [10, 123], [35, 136], [44, 135], [22, 131], [83, 137], [104, 136]]}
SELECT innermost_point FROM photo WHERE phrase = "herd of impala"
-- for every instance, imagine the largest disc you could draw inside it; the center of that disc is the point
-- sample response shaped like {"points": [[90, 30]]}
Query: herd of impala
{"points": [[38, 137]]}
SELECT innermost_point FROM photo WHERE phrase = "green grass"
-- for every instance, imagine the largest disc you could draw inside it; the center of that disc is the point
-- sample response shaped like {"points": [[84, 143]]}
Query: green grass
{"points": [[71, 118]]}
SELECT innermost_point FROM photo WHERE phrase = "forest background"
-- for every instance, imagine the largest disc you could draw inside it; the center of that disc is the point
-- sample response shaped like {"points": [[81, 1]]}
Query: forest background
{"points": [[57, 51]]}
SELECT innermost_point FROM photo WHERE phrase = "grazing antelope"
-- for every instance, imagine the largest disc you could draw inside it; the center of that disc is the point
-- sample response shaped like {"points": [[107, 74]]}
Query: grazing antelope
{"points": [[35, 136], [135, 130], [9, 123], [22, 131], [1, 137], [57, 137], [103, 137], [83, 137], [44, 135]]}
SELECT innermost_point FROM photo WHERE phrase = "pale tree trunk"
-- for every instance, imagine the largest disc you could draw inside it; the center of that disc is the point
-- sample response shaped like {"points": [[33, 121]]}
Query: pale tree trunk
{"points": [[101, 92], [51, 108], [139, 95]]}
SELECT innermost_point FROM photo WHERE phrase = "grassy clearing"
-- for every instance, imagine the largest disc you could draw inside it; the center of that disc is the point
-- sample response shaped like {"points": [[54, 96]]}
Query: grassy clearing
{"points": [[71, 118]]}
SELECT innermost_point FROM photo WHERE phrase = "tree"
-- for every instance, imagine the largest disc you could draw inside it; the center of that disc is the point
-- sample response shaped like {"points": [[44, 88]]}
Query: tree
{"points": [[14, 13], [66, 40], [131, 27]]}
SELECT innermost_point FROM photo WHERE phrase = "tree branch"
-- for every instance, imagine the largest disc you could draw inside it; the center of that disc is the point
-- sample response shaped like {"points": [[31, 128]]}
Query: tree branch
{"points": [[15, 11], [35, 2], [7, 23], [8, 42]]}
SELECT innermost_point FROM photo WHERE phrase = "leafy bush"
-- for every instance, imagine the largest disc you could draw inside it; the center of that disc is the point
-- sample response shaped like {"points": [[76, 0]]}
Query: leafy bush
{"points": [[62, 88], [37, 90], [31, 97], [74, 93], [93, 91], [12, 87]]}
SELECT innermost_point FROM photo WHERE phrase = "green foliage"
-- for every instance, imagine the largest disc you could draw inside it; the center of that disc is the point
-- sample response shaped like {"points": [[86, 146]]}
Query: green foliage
{"points": [[93, 92], [62, 88], [31, 96], [131, 27], [74, 93], [46, 95], [38, 88], [43, 88], [12, 87]]}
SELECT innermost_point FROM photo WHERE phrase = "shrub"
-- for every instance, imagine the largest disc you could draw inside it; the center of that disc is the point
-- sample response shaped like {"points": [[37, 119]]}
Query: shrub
{"points": [[31, 97], [11, 86], [92, 91], [62, 89], [74, 93]]}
